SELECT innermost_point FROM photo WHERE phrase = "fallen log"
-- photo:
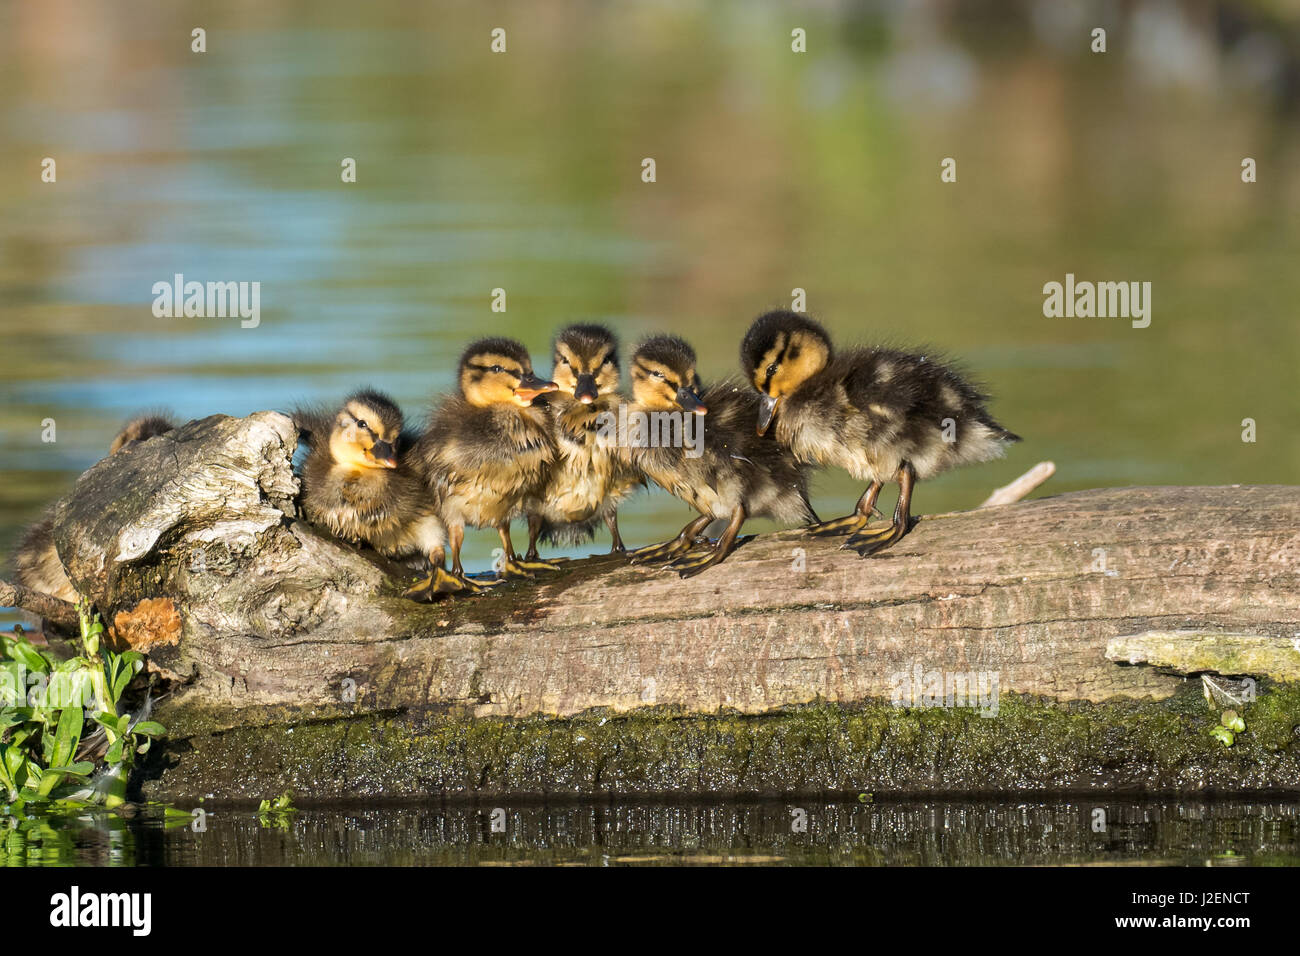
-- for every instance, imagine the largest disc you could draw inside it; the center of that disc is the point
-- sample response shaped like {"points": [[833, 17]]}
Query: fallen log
{"points": [[793, 667]]}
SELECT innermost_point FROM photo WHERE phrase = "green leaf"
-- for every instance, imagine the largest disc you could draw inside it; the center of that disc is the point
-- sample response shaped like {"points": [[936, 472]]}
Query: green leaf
{"points": [[150, 728], [67, 736], [82, 768], [70, 688], [13, 684], [114, 754], [29, 657], [120, 681]]}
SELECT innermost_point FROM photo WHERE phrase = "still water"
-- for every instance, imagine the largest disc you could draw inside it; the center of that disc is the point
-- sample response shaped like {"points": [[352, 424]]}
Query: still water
{"points": [[1093, 832], [775, 171]]}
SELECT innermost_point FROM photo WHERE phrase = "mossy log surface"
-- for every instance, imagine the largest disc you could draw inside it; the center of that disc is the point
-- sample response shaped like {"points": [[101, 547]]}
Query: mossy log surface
{"points": [[299, 664]]}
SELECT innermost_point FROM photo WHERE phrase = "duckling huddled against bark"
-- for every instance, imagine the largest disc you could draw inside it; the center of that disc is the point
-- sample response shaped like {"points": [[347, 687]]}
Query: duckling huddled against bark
{"points": [[589, 476], [881, 414], [361, 484], [36, 561], [725, 470], [488, 449], [138, 429]]}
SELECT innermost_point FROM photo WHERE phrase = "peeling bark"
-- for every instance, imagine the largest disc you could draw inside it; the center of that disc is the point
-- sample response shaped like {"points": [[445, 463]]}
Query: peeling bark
{"points": [[1197, 652]]}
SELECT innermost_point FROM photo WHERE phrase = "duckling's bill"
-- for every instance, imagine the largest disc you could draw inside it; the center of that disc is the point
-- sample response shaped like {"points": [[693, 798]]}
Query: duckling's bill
{"points": [[530, 386], [689, 399]]}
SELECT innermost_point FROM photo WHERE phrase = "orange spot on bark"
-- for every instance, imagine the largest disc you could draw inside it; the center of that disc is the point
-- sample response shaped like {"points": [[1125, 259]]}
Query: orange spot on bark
{"points": [[151, 622]]}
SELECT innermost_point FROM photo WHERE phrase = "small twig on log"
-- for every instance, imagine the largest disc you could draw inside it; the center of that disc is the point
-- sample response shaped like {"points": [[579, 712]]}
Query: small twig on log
{"points": [[1010, 494], [50, 608]]}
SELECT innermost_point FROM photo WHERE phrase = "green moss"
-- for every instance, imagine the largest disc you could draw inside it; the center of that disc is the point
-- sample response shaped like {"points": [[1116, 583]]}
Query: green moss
{"points": [[1031, 745]]}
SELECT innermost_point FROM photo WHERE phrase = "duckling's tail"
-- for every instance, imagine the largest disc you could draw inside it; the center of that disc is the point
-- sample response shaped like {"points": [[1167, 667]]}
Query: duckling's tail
{"points": [[562, 535], [1000, 433]]}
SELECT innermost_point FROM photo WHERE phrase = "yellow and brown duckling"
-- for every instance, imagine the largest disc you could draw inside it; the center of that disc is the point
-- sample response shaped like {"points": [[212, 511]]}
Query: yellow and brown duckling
{"points": [[880, 414], [729, 472], [589, 476], [488, 449], [359, 484], [36, 560]]}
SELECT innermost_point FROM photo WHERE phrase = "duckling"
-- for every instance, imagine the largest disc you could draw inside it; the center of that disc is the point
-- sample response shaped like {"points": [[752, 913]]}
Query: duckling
{"points": [[732, 473], [881, 414], [589, 477], [358, 485], [141, 428], [36, 561], [488, 449]]}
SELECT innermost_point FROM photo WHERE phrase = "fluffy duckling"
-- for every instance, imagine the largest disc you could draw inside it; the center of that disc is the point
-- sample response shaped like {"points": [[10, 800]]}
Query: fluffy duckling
{"points": [[488, 449], [358, 485], [138, 429], [589, 476], [880, 414], [732, 473], [36, 561]]}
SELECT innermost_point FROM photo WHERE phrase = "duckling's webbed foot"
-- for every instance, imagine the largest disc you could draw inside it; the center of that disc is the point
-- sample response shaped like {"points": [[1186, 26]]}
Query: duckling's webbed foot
{"points": [[537, 564], [867, 543], [837, 526], [441, 582], [669, 550], [654, 553], [849, 524], [690, 566], [512, 567]]}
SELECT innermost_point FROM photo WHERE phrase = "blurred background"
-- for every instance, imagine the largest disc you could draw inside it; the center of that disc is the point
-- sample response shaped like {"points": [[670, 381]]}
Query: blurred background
{"points": [[775, 170]]}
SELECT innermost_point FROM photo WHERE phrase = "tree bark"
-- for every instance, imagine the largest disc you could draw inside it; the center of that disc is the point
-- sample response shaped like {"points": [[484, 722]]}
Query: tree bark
{"points": [[189, 546]]}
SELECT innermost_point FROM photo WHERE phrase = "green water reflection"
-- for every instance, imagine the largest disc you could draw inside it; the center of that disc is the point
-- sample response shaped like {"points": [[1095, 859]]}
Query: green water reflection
{"points": [[775, 171], [952, 833]]}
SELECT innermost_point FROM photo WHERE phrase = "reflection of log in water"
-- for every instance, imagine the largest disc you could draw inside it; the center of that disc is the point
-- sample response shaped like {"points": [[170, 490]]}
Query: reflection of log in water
{"points": [[953, 833], [188, 545]]}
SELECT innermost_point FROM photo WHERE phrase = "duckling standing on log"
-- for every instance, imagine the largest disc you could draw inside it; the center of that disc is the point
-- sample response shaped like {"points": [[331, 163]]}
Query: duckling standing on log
{"points": [[36, 561], [360, 486], [589, 476], [880, 414], [728, 472], [488, 449]]}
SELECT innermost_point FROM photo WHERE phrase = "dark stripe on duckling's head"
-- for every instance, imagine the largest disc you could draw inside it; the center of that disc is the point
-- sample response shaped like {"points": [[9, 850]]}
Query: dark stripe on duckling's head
{"points": [[497, 350], [782, 350], [377, 412], [663, 374], [669, 352], [586, 361], [366, 432], [497, 370]]}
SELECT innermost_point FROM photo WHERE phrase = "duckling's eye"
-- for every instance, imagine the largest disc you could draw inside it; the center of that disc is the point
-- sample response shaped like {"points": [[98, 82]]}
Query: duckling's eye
{"points": [[658, 375], [772, 369], [361, 424], [496, 368]]}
